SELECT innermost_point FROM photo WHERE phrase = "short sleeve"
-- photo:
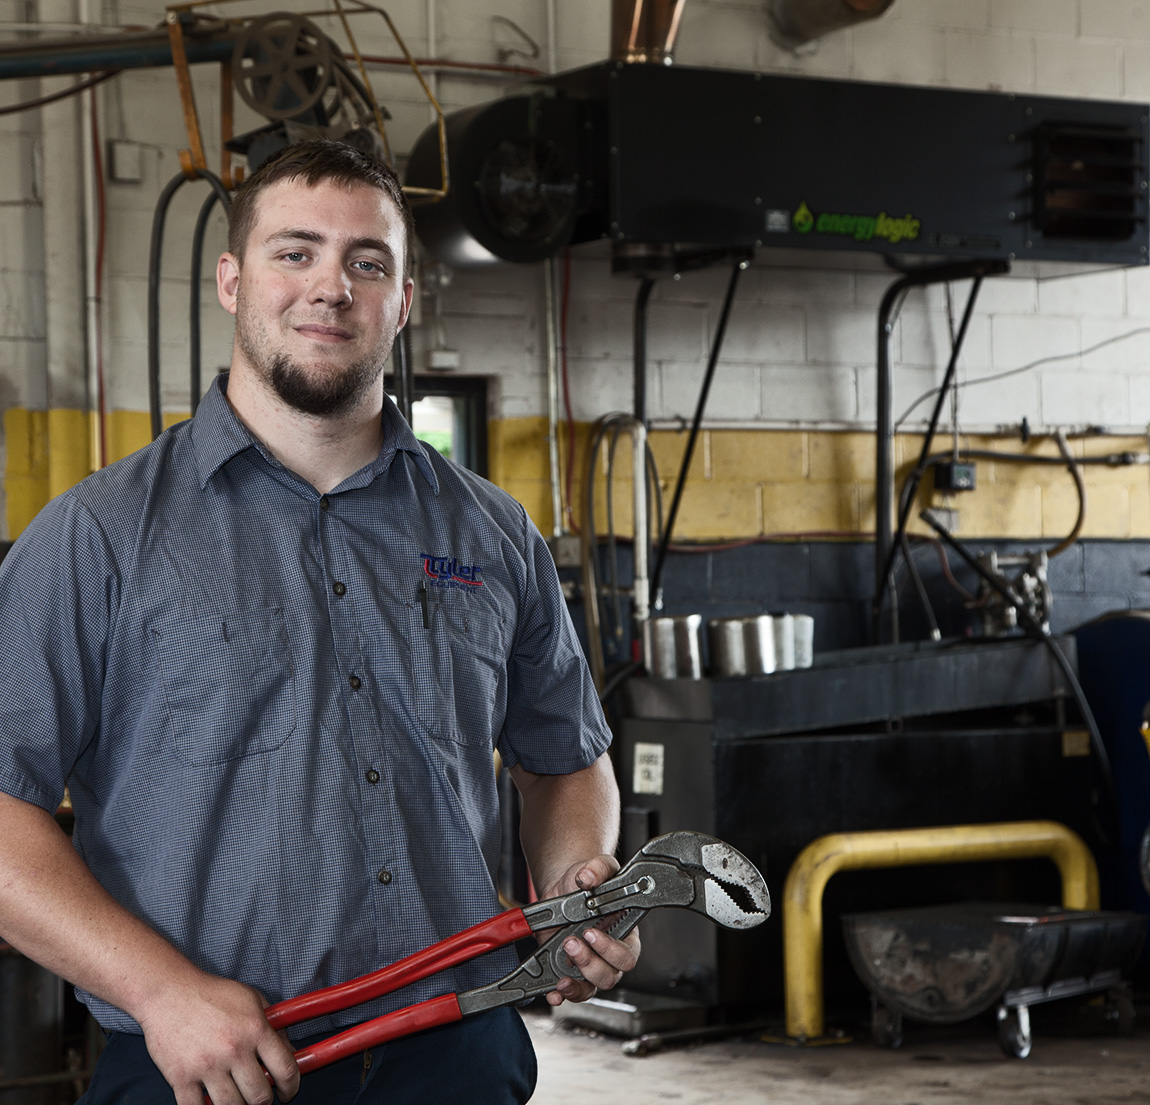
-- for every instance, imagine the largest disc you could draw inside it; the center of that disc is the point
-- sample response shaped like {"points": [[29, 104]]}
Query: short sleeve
{"points": [[554, 724], [57, 597]]}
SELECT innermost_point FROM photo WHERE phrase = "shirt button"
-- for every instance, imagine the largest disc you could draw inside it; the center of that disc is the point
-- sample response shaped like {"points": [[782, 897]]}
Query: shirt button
{"points": [[355, 683], [324, 502], [339, 588], [384, 876], [372, 776]]}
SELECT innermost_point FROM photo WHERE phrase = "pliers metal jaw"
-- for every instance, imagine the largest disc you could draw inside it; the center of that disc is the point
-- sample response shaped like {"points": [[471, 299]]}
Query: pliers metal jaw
{"points": [[686, 870]]}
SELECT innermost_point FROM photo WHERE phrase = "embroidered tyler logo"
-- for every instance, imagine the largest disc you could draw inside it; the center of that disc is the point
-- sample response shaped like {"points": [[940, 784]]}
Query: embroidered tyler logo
{"points": [[448, 570]]}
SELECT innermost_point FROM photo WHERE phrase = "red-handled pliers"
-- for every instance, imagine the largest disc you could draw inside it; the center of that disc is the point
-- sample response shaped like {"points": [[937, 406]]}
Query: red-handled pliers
{"points": [[683, 869]]}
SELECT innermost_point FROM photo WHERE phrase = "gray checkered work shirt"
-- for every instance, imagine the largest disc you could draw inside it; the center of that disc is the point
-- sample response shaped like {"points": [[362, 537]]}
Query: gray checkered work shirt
{"points": [[275, 710]]}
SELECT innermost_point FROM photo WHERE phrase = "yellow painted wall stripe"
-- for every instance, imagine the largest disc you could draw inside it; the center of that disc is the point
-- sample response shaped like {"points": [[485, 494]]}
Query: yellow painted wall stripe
{"points": [[51, 451], [743, 483]]}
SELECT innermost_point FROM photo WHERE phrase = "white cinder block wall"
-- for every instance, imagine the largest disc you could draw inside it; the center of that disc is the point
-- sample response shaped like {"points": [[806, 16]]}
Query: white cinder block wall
{"points": [[800, 349]]}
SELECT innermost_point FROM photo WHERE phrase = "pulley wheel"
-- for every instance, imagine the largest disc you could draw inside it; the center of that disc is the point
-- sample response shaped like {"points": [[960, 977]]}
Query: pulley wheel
{"points": [[282, 65]]}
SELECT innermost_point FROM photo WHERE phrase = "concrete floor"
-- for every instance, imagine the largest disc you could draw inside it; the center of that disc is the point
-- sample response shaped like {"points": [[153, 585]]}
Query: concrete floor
{"points": [[934, 1066]]}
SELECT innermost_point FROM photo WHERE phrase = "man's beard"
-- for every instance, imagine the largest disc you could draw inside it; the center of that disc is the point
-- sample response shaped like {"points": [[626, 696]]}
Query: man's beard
{"points": [[321, 394], [324, 395]]}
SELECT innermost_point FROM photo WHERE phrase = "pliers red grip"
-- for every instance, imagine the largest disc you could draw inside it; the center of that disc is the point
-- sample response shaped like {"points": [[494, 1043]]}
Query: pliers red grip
{"points": [[683, 869], [488, 935]]}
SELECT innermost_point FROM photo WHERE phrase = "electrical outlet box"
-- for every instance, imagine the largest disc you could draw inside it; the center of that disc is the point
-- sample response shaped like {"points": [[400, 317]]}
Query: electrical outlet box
{"points": [[442, 360], [565, 550], [954, 476]]}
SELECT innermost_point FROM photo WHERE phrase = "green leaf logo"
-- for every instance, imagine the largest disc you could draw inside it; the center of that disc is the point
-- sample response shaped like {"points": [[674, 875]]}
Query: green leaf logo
{"points": [[803, 220]]}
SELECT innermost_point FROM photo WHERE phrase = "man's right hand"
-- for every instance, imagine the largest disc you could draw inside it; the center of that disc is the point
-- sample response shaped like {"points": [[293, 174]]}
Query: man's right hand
{"points": [[210, 1035], [203, 1032]]}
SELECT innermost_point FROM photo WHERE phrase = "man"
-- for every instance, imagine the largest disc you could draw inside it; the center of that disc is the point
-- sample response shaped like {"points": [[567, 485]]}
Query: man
{"points": [[271, 655]]}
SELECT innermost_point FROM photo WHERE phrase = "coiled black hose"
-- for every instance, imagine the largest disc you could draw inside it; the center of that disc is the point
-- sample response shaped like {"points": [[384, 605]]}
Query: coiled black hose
{"points": [[154, 259], [194, 297]]}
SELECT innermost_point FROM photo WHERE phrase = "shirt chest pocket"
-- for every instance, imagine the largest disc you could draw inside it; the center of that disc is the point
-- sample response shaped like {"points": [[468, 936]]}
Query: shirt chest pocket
{"points": [[458, 668], [228, 683]]}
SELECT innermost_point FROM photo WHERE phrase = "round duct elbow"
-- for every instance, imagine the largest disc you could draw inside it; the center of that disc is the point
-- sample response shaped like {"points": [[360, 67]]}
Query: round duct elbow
{"points": [[794, 23], [514, 190]]}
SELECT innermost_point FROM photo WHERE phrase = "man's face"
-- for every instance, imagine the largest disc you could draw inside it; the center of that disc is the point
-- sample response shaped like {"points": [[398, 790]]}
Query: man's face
{"points": [[320, 295]]}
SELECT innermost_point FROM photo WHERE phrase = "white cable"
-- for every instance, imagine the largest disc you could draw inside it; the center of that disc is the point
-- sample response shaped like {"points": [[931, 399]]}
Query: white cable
{"points": [[1024, 368]]}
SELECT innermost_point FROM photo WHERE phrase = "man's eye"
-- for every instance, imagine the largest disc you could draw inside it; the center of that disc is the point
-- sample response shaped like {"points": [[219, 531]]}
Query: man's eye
{"points": [[367, 266], [294, 255]]}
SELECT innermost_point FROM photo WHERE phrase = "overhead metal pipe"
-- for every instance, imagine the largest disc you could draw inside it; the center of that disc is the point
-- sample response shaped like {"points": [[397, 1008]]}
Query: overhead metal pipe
{"points": [[92, 53]]}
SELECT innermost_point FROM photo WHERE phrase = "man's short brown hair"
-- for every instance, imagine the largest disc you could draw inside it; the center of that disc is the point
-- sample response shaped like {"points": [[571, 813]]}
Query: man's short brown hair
{"points": [[314, 163]]}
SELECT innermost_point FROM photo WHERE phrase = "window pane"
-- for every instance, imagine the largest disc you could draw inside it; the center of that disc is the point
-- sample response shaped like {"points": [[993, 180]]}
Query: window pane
{"points": [[433, 419]]}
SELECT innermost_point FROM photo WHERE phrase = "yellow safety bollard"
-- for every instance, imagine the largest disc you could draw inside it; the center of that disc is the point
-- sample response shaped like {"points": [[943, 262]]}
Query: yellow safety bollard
{"points": [[819, 860]]}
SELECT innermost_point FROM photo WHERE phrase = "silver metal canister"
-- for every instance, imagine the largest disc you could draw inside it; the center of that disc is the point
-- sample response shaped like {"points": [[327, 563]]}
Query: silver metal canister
{"points": [[783, 628], [804, 640], [759, 645], [725, 642], [676, 647], [741, 646]]}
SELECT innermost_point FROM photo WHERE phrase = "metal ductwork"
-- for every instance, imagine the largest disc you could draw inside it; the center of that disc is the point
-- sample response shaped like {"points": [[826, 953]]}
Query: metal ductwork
{"points": [[794, 23], [701, 161]]}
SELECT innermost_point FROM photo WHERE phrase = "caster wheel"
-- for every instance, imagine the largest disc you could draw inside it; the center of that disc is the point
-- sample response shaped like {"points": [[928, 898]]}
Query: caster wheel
{"points": [[1014, 1031], [885, 1025], [1120, 1011]]}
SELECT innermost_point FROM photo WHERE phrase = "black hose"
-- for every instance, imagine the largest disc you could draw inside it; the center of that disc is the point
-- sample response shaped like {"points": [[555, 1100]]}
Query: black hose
{"points": [[154, 260], [700, 407], [620, 677], [888, 310], [194, 297], [587, 554], [1108, 832], [928, 440], [886, 547], [639, 351], [920, 588], [404, 373]]}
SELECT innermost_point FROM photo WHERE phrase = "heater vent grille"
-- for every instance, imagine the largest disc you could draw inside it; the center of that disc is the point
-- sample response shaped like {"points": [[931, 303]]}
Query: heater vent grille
{"points": [[1089, 183]]}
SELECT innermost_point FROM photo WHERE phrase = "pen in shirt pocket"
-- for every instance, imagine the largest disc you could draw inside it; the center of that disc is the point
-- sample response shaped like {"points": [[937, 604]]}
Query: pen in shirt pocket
{"points": [[423, 604]]}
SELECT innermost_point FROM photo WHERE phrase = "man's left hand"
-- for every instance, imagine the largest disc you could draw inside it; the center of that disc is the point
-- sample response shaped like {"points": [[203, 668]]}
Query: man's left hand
{"points": [[601, 959]]}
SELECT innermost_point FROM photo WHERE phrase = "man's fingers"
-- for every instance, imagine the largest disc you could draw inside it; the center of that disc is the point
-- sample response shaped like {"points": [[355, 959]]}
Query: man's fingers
{"points": [[220, 1090], [253, 1086], [595, 871], [620, 954], [601, 959], [276, 1056]]}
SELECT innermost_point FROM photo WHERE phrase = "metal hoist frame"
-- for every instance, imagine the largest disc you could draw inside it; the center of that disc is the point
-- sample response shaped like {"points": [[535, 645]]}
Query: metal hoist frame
{"points": [[193, 160]]}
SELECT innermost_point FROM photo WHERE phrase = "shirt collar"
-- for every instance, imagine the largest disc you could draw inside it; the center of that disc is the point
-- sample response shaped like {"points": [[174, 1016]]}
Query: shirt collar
{"points": [[218, 435]]}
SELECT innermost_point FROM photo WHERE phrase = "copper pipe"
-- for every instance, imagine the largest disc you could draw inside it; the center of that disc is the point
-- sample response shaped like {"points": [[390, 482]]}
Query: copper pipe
{"points": [[476, 67], [645, 30]]}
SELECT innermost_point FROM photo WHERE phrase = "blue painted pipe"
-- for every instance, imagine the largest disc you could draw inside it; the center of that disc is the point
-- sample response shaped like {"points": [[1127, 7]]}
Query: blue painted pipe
{"points": [[83, 54]]}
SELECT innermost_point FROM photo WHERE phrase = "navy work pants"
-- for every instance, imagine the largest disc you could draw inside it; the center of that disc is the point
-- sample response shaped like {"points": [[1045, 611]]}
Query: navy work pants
{"points": [[486, 1059]]}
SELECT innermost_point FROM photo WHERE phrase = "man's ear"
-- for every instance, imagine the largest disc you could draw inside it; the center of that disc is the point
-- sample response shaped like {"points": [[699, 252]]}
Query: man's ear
{"points": [[228, 281], [408, 294]]}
